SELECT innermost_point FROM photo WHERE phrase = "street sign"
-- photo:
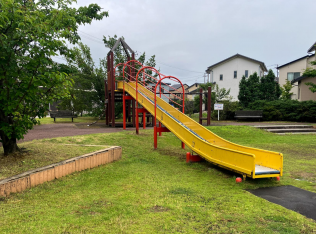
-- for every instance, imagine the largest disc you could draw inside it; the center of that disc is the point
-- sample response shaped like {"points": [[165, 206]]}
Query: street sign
{"points": [[218, 106]]}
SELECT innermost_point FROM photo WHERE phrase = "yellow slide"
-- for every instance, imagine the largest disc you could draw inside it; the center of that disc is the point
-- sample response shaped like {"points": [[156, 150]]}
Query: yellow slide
{"points": [[251, 162]]}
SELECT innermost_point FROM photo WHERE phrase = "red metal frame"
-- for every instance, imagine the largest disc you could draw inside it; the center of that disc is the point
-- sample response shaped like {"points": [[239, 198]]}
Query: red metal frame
{"points": [[137, 80], [155, 119], [135, 77]]}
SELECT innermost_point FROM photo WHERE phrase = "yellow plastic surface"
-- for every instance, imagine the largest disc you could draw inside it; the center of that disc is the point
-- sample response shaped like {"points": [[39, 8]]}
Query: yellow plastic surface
{"points": [[213, 148]]}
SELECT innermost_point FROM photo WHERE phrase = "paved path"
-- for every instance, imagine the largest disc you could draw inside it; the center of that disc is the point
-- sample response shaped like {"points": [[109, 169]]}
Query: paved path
{"points": [[63, 130], [70, 129]]}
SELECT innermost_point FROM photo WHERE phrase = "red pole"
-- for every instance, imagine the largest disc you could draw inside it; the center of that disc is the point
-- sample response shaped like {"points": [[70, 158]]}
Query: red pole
{"points": [[209, 105], [155, 136], [144, 120], [201, 101], [133, 113], [137, 124], [124, 110], [160, 133]]}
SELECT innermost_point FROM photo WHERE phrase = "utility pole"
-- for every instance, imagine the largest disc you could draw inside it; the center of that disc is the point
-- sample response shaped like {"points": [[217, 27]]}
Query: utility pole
{"points": [[204, 77]]}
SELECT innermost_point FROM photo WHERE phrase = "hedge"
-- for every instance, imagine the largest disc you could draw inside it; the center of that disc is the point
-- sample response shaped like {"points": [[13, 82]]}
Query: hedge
{"points": [[286, 110]]}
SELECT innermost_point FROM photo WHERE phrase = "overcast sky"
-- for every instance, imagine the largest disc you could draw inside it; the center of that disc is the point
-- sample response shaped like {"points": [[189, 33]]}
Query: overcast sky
{"points": [[192, 35]]}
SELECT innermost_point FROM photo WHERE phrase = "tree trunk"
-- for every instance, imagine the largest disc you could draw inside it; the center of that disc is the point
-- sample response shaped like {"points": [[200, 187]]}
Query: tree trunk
{"points": [[9, 145]]}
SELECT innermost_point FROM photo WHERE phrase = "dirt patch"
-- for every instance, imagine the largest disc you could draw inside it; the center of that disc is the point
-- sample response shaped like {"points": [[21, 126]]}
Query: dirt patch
{"points": [[304, 176], [170, 152], [157, 209]]}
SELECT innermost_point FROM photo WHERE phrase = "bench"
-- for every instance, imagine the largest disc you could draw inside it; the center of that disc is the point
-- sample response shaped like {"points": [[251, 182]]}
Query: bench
{"points": [[62, 114], [248, 114]]}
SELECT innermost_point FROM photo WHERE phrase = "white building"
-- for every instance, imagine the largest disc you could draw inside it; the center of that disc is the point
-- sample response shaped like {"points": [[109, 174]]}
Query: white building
{"points": [[228, 73]]}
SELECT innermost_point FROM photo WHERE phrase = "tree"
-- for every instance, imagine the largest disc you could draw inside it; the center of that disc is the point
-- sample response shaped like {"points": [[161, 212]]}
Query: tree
{"points": [[269, 89], [310, 72], [286, 91], [249, 90], [254, 88], [30, 33], [88, 92], [218, 94]]}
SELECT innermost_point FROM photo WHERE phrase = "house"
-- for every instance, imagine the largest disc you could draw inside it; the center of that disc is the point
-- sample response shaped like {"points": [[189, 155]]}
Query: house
{"points": [[176, 89], [228, 72], [293, 71], [165, 91], [192, 91]]}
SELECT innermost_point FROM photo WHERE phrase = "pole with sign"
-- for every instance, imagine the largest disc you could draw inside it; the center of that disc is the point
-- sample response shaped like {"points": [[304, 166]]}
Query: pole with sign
{"points": [[218, 107]]}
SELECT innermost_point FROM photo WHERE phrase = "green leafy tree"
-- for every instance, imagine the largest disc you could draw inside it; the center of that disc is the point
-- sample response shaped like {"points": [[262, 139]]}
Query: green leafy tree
{"points": [[286, 91], [249, 90], [310, 72], [218, 95], [87, 93], [269, 89], [244, 94], [30, 33], [254, 88]]}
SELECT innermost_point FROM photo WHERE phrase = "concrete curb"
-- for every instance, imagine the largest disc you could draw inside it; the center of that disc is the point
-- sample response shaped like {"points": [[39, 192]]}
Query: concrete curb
{"points": [[32, 178]]}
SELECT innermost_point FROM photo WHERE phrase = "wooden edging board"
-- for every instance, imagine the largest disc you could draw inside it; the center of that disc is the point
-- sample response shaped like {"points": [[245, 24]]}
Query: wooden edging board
{"points": [[32, 178]]}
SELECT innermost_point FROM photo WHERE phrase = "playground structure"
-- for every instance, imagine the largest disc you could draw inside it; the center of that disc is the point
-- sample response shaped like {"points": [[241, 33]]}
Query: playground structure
{"points": [[142, 89]]}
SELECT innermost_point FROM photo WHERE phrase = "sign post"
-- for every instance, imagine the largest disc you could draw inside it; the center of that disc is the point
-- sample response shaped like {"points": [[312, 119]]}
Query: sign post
{"points": [[218, 107]]}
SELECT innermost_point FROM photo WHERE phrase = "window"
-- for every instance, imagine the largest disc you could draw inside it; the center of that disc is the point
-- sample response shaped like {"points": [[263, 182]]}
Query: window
{"points": [[292, 75], [235, 74], [221, 77], [246, 73]]}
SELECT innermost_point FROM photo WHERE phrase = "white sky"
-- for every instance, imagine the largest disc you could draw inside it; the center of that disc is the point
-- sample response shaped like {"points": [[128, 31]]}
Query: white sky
{"points": [[192, 35]]}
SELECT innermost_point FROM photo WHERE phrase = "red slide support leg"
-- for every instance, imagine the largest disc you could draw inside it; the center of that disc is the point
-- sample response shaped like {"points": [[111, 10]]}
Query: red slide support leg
{"points": [[193, 158], [155, 137]]}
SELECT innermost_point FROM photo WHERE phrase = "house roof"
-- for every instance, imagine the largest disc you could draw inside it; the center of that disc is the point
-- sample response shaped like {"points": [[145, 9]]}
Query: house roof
{"points": [[176, 86], [298, 79], [312, 48], [263, 66], [307, 56], [195, 84]]}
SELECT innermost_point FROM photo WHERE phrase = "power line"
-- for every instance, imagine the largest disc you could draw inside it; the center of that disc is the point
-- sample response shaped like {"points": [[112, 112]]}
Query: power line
{"points": [[94, 39], [178, 68]]}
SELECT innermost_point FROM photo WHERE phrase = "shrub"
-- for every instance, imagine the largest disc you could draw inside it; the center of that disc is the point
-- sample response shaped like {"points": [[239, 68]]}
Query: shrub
{"points": [[286, 110]]}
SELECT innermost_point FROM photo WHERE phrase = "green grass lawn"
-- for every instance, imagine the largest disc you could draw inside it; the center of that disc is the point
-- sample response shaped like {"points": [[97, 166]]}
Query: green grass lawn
{"points": [[155, 191], [38, 155], [48, 120]]}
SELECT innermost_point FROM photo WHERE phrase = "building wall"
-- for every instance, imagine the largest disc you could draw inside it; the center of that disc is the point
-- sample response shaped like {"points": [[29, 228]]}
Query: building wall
{"points": [[298, 66], [304, 92], [195, 88], [227, 70]]}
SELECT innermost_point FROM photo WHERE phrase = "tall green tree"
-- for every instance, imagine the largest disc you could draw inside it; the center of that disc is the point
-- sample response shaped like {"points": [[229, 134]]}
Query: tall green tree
{"points": [[249, 90], [254, 88], [269, 89], [30, 33]]}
